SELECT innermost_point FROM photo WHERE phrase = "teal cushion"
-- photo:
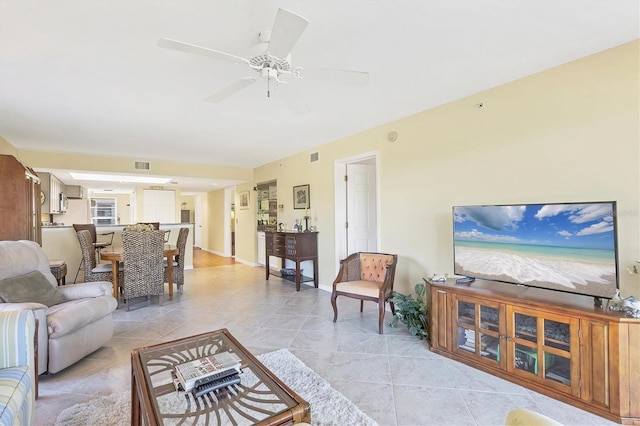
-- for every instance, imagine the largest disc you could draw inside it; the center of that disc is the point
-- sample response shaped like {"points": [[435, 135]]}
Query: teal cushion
{"points": [[31, 287]]}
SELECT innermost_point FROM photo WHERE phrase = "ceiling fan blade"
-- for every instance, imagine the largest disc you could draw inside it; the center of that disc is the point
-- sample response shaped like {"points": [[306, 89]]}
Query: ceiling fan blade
{"points": [[168, 43], [352, 78], [287, 29], [230, 90]]}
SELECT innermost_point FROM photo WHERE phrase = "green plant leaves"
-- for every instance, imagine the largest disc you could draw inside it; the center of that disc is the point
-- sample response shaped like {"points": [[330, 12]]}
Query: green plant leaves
{"points": [[411, 311]]}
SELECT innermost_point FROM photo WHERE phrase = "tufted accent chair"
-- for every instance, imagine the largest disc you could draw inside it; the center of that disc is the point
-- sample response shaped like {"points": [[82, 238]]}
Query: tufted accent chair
{"points": [[366, 276]]}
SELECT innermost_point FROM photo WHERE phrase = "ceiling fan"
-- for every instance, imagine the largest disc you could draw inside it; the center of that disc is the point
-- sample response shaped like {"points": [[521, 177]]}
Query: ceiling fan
{"points": [[273, 63]]}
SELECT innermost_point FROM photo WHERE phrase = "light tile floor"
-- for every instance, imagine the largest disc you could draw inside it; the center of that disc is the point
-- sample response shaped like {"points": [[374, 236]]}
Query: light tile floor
{"points": [[393, 378]]}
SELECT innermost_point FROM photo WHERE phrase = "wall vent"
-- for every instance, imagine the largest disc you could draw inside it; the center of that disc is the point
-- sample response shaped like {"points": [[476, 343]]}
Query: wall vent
{"points": [[313, 157], [141, 165]]}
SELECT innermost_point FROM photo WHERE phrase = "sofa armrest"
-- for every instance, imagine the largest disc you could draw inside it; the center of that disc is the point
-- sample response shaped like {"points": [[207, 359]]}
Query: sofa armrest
{"points": [[18, 328], [23, 306], [40, 313], [85, 290]]}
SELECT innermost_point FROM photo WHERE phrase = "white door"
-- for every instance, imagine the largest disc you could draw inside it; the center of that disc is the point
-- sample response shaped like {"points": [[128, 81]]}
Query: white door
{"points": [[159, 206], [361, 208], [356, 205]]}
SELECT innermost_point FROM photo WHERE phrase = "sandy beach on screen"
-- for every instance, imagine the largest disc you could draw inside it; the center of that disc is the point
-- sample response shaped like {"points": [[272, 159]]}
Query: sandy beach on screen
{"points": [[555, 273]]}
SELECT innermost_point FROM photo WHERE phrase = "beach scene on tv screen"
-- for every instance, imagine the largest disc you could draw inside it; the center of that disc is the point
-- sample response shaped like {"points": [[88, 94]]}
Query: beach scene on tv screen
{"points": [[566, 247]]}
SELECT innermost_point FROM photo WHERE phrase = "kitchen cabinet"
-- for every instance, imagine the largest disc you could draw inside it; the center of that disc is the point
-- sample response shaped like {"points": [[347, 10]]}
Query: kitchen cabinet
{"points": [[20, 209], [54, 196], [75, 192], [578, 353]]}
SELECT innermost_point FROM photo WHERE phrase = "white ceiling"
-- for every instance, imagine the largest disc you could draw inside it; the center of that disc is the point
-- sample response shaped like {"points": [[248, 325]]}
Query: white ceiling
{"points": [[88, 77]]}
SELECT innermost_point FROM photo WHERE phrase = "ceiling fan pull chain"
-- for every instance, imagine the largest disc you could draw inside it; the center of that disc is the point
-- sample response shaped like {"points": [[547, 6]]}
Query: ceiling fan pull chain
{"points": [[268, 81]]}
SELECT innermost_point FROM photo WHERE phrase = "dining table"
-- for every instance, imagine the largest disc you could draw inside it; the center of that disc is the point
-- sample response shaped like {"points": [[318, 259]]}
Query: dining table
{"points": [[115, 256]]}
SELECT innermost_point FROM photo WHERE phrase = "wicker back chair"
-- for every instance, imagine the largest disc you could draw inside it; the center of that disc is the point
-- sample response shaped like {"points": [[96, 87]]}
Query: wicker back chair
{"points": [[178, 263], [366, 276], [97, 245], [92, 271], [142, 253]]}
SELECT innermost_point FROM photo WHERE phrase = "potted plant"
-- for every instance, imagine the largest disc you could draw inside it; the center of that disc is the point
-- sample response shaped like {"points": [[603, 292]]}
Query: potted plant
{"points": [[411, 311]]}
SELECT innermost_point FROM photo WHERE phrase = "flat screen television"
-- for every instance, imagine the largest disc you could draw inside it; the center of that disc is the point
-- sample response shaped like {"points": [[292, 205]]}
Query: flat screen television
{"points": [[569, 247]]}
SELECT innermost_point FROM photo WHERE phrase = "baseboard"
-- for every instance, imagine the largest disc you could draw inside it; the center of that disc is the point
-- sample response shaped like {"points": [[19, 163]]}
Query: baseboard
{"points": [[246, 262]]}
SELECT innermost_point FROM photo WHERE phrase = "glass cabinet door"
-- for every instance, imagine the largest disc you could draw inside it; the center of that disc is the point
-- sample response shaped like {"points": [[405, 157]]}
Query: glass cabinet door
{"points": [[557, 351], [542, 346], [478, 329]]}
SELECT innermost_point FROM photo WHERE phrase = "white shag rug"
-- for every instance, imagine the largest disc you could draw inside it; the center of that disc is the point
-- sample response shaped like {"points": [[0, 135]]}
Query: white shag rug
{"points": [[328, 406]]}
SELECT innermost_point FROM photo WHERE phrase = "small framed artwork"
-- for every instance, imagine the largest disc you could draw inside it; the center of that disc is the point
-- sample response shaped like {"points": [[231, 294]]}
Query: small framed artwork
{"points": [[301, 197], [244, 200]]}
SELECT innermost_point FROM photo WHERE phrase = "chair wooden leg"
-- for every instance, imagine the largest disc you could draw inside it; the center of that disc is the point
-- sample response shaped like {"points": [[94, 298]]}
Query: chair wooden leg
{"points": [[393, 308], [361, 305], [381, 308], [335, 307]]}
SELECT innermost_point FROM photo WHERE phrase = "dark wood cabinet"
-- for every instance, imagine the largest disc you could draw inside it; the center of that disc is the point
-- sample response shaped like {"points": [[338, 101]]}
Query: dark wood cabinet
{"points": [[297, 247], [563, 347], [20, 208]]}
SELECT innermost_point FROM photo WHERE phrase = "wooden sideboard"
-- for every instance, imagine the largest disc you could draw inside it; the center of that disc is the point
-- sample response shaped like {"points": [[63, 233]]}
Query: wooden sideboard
{"points": [[297, 247], [557, 344], [20, 208]]}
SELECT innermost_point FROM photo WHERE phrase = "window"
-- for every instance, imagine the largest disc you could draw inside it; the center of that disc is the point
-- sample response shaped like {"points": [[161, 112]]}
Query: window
{"points": [[103, 211]]}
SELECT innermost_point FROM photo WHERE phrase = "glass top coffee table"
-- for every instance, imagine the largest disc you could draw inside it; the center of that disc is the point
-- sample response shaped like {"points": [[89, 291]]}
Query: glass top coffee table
{"points": [[260, 397]]}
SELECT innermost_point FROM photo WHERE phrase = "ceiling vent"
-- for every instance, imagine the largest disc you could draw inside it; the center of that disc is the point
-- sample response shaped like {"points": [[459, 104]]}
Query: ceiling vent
{"points": [[313, 157], [141, 165]]}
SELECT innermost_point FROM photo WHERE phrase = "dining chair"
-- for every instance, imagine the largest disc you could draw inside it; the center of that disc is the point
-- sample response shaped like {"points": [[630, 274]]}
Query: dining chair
{"points": [[178, 262], [142, 253], [366, 276], [92, 270], [97, 245]]}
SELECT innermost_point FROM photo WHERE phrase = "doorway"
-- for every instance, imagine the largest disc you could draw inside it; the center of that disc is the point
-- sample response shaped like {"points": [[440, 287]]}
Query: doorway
{"points": [[356, 189], [229, 222]]}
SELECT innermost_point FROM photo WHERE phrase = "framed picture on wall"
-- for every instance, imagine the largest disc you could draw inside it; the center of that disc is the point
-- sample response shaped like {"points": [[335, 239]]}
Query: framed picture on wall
{"points": [[244, 200], [301, 197]]}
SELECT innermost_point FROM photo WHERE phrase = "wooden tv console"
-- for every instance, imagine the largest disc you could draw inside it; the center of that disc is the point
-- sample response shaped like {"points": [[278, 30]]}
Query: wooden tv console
{"points": [[558, 344]]}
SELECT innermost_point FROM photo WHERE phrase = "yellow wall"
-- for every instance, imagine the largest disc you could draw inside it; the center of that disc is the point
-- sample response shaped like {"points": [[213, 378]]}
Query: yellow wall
{"points": [[6, 148], [567, 134], [81, 162], [189, 201], [245, 226], [216, 216]]}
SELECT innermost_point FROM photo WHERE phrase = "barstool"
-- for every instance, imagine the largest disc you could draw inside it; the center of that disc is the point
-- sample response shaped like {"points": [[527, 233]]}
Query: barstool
{"points": [[96, 245]]}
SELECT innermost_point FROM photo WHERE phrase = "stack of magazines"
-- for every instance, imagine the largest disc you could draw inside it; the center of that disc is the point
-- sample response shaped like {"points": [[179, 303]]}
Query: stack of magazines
{"points": [[209, 373]]}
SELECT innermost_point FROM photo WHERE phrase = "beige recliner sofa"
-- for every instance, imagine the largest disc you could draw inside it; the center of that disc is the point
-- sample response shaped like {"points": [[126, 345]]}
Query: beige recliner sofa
{"points": [[78, 320]]}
